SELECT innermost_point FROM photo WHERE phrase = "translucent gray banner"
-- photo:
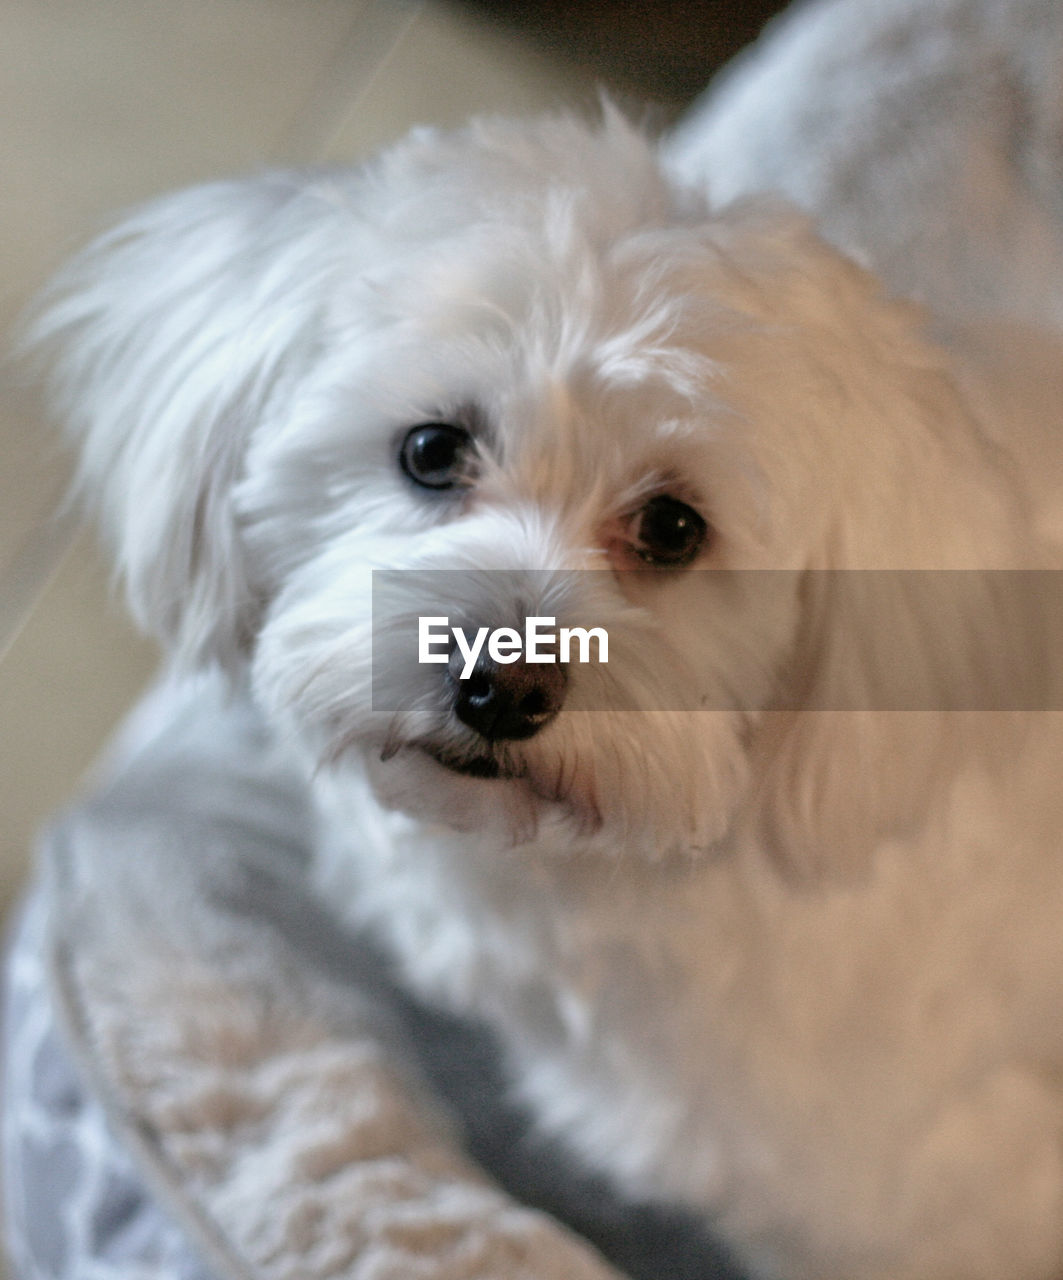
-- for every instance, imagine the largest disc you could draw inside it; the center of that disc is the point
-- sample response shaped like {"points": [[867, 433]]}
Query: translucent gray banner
{"points": [[725, 640]]}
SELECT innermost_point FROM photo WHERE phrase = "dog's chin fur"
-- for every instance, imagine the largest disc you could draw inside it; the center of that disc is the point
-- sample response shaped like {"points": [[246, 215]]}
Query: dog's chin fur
{"points": [[753, 939]]}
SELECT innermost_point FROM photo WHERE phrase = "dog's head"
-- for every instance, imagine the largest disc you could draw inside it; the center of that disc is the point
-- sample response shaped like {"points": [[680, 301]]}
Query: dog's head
{"points": [[518, 372]]}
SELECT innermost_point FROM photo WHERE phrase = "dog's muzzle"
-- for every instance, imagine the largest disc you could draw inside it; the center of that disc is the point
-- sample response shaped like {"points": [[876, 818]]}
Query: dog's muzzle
{"points": [[506, 701]]}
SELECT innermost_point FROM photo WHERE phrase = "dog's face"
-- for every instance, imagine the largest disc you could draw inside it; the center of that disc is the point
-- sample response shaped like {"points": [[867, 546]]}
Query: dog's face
{"points": [[516, 372]]}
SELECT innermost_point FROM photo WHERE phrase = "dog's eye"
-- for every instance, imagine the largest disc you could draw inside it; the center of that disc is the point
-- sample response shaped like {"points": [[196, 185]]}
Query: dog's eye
{"points": [[668, 532], [433, 454]]}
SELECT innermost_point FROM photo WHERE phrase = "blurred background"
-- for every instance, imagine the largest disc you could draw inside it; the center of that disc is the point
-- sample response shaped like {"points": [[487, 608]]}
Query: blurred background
{"points": [[106, 102]]}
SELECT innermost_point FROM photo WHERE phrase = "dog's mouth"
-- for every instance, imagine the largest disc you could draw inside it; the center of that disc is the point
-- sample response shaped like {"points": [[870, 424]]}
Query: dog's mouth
{"points": [[517, 781], [468, 766]]}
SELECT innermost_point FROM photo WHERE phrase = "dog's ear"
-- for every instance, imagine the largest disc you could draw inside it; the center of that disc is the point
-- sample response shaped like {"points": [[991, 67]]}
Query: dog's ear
{"points": [[924, 630], [902, 671], [167, 338]]}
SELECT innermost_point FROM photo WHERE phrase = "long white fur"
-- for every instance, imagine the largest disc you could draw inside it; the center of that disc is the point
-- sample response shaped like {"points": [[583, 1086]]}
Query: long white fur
{"points": [[798, 969]]}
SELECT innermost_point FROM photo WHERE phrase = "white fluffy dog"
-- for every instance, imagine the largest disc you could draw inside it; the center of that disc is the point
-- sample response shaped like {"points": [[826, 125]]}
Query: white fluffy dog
{"points": [[766, 910]]}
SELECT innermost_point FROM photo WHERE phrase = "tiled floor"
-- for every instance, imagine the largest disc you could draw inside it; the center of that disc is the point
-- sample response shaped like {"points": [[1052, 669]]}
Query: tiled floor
{"points": [[103, 103]]}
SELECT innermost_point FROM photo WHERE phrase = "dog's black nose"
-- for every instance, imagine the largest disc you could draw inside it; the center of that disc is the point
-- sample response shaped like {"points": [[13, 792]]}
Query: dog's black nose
{"points": [[507, 700]]}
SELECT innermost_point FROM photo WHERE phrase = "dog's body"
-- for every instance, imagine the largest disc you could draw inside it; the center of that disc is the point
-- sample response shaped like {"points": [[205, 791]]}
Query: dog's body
{"points": [[792, 959]]}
